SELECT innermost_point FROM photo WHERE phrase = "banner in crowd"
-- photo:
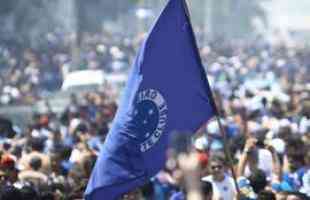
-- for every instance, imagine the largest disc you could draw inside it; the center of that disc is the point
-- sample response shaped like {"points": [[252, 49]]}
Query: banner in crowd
{"points": [[167, 91]]}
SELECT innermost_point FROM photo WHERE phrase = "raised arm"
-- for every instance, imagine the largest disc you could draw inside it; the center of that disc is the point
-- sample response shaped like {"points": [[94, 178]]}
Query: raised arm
{"points": [[249, 146], [276, 165]]}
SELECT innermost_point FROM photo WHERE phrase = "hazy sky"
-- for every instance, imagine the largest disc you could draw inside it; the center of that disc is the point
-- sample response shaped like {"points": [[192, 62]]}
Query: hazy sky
{"points": [[289, 13]]}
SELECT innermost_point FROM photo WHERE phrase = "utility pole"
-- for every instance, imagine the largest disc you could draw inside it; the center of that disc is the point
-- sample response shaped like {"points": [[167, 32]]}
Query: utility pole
{"points": [[208, 27], [76, 44]]}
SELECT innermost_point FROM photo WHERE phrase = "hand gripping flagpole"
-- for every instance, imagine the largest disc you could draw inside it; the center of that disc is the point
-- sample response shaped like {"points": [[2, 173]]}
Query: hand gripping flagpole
{"points": [[217, 115]]}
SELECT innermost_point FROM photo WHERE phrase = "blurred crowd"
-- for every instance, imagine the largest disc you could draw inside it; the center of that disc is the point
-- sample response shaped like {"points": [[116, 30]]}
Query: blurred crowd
{"points": [[261, 90], [262, 93], [30, 71]]}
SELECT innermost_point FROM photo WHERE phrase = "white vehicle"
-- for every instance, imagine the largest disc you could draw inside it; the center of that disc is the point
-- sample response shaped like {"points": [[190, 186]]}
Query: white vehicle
{"points": [[79, 83], [83, 80], [93, 79]]}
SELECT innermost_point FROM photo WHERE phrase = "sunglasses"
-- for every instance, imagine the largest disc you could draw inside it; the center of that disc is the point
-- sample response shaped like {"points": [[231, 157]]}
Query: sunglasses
{"points": [[214, 167]]}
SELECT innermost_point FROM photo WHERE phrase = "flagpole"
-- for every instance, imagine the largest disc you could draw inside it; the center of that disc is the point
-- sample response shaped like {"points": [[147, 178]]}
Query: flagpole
{"points": [[226, 151], [217, 115]]}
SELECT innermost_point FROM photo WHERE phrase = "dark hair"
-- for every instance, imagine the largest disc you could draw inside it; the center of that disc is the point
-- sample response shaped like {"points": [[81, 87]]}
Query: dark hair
{"points": [[37, 144], [81, 128], [266, 195], [218, 157], [206, 188], [295, 141], [258, 180], [10, 193], [35, 163], [237, 143], [6, 146], [295, 152]]}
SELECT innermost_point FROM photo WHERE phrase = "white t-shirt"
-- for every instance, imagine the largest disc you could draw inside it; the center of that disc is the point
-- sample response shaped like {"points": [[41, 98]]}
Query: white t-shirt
{"points": [[224, 190]]}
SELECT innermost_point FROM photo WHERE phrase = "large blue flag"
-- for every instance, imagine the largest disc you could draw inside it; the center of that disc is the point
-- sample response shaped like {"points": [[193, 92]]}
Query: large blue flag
{"points": [[167, 91]]}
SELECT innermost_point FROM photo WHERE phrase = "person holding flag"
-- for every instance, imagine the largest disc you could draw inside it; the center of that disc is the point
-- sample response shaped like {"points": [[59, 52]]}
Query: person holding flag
{"points": [[167, 91]]}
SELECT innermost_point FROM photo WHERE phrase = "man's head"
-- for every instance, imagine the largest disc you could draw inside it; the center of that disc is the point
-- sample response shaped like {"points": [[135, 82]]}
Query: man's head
{"points": [[37, 144], [258, 180], [7, 162], [35, 163], [295, 152], [7, 165], [217, 167]]}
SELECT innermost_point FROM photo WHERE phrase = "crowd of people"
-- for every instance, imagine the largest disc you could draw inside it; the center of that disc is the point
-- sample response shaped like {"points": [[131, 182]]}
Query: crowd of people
{"points": [[262, 93], [261, 90], [31, 70]]}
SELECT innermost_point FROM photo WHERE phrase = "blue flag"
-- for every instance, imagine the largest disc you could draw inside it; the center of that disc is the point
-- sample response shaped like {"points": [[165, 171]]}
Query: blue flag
{"points": [[167, 91]]}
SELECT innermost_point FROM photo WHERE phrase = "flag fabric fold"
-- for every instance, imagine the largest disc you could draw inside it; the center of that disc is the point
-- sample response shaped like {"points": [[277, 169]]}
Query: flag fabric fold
{"points": [[167, 91]]}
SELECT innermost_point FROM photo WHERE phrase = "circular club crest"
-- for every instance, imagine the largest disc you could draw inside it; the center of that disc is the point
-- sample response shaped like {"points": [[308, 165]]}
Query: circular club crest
{"points": [[150, 116]]}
